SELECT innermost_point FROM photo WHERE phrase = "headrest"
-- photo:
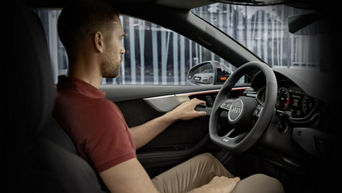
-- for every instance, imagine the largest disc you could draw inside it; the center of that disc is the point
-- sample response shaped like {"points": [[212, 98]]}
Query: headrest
{"points": [[31, 93]]}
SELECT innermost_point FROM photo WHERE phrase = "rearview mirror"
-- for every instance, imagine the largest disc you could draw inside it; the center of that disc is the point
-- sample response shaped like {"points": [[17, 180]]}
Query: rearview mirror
{"points": [[208, 73], [307, 24]]}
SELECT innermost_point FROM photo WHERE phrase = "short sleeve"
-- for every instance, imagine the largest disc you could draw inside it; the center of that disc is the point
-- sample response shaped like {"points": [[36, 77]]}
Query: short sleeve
{"points": [[109, 142]]}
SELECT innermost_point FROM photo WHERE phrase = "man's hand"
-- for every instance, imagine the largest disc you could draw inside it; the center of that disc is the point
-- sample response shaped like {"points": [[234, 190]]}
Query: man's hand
{"points": [[218, 185], [142, 134], [186, 110]]}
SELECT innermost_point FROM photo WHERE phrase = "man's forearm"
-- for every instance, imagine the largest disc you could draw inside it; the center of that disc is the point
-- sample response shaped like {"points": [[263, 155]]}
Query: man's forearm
{"points": [[144, 133]]}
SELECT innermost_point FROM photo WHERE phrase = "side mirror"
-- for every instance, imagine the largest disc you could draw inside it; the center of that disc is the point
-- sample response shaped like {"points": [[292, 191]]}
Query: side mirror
{"points": [[208, 73]]}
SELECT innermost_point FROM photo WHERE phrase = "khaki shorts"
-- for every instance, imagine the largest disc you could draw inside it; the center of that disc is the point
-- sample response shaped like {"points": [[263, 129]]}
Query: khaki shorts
{"points": [[199, 171]]}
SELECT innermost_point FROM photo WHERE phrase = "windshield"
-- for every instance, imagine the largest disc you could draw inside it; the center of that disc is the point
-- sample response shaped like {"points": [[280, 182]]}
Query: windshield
{"points": [[264, 31]]}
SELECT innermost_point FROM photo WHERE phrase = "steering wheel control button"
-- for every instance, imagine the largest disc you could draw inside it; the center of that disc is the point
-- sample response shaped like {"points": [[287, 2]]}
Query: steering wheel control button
{"points": [[225, 139], [258, 110], [226, 105], [235, 110]]}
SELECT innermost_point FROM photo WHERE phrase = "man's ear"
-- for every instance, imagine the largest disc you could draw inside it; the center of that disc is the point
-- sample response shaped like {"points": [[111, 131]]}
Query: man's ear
{"points": [[98, 40]]}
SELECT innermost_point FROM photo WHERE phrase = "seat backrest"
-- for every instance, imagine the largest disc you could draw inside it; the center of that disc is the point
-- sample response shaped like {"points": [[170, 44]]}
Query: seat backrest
{"points": [[40, 155], [58, 168]]}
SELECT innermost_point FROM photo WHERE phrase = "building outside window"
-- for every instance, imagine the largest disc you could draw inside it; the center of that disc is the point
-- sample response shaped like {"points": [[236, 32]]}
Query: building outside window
{"points": [[158, 56]]}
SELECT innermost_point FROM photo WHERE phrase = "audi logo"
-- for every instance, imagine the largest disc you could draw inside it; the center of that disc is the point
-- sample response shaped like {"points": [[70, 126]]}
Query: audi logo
{"points": [[236, 110]]}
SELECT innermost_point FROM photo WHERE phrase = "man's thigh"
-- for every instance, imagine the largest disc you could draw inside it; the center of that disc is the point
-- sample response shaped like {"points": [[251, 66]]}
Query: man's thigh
{"points": [[191, 174], [259, 183], [200, 169]]}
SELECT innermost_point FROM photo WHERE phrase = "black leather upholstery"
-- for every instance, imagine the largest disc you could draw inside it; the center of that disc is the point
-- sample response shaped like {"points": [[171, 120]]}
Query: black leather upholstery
{"points": [[58, 168], [40, 155]]}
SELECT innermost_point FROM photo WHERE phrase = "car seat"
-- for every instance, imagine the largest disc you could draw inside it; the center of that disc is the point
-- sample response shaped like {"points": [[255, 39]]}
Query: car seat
{"points": [[40, 155]]}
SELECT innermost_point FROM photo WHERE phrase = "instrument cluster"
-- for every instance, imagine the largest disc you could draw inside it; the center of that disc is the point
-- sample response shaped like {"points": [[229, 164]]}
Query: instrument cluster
{"points": [[292, 101]]}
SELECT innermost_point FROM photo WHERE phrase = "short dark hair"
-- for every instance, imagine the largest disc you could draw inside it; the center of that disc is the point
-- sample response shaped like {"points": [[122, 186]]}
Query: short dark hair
{"points": [[81, 18]]}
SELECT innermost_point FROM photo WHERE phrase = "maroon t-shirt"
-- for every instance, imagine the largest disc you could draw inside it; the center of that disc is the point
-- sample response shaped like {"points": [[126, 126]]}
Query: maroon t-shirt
{"points": [[95, 124]]}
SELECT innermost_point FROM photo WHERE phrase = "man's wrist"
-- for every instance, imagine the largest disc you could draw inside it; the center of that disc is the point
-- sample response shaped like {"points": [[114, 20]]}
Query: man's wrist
{"points": [[170, 117]]}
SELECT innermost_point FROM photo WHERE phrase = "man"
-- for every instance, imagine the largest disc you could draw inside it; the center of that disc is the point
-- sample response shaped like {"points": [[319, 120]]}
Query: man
{"points": [[91, 32]]}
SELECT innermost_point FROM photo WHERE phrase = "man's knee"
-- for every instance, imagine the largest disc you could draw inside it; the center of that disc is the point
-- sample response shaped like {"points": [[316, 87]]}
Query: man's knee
{"points": [[208, 162], [275, 184], [206, 157], [264, 183]]}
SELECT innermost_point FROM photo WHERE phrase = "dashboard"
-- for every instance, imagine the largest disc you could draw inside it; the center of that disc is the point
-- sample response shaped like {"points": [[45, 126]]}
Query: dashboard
{"points": [[300, 124], [300, 93], [292, 101]]}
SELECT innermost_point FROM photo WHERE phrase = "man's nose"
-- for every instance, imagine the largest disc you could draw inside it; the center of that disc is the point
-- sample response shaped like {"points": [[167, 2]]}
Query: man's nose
{"points": [[123, 51]]}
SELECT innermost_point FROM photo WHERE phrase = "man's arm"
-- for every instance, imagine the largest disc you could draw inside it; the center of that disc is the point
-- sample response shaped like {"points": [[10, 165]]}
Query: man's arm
{"points": [[131, 177], [144, 133], [128, 177]]}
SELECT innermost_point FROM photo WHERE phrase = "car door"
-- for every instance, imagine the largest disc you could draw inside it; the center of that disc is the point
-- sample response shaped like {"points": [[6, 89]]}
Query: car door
{"points": [[177, 143], [181, 140]]}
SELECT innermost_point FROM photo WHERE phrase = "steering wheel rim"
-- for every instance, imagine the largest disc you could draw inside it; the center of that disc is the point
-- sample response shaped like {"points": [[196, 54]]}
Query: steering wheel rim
{"points": [[264, 111]]}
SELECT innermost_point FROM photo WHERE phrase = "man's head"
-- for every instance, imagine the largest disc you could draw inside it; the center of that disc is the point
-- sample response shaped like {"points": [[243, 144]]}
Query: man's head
{"points": [[93, 25]]}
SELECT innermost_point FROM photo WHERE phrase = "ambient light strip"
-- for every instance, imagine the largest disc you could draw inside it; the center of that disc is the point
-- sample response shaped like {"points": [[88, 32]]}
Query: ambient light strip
{"points": [[168, 102]]}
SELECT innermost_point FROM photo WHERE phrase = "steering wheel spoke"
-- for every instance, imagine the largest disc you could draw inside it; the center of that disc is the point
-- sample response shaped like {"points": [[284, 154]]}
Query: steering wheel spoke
{"points": [[226, 104], [229, 133], [258, 110], [234, 139]]}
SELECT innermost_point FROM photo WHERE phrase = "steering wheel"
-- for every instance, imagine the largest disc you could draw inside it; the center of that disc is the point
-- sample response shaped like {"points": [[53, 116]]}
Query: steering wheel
{"points": [[247, 118]]}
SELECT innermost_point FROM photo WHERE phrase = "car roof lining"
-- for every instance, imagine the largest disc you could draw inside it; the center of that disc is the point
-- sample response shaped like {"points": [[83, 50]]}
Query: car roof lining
{"points": [[184, 4], [180, 4], [187, 4]]}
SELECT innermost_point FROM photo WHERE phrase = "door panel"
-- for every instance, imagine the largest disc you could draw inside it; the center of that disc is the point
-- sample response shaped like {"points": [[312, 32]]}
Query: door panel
{"points": [[120, 93], [182, 140], [180, 135]]}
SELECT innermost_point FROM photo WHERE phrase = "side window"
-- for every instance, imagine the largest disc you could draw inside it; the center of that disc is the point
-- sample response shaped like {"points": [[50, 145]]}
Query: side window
{"points": [[154, 55]]}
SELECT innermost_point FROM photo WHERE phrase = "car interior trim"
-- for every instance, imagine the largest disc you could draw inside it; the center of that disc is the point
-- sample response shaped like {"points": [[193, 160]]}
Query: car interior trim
{"points": [[168, 102]]}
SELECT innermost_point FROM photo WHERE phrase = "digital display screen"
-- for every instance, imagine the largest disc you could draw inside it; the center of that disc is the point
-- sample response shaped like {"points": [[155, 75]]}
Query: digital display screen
{"points": [[296, 100]]}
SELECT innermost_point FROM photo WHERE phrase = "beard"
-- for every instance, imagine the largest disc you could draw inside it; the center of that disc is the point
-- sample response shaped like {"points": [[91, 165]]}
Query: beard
{"points": [[110, 69], [112, 74]]}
